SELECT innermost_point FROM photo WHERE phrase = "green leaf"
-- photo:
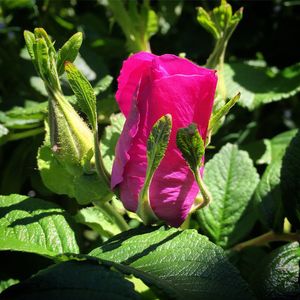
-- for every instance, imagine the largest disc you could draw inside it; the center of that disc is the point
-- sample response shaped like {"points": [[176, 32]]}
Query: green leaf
{"points": [[83, 91], [110, 138], [38, 84], [40, 33], [30, 42], [31, 109], [4, 284], [17, 4], [277, 276], [183, 264], [207, 23], [3, 131], [245, 259], [157, 142], [231, 178], [103, 84], [290, 181], [73, 280], [215, 121], [99, 220], [36, 226], [85, 188], [191, 145], [259, 84], [152, 23], [68, 52], [268, 192], [106, 107]]}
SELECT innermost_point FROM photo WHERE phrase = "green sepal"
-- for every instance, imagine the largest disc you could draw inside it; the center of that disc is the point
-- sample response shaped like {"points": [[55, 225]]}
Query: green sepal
{"points": [[30, 42], [158, 142], [191, 145], [43, 54], [40, 33], [40, 49], [83, 91], [216, 120], [156, 148], [69, 51], [86, 98]]}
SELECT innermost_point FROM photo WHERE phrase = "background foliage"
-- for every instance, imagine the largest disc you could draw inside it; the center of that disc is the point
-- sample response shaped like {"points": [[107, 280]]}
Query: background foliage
{"points": [[263, 63]]}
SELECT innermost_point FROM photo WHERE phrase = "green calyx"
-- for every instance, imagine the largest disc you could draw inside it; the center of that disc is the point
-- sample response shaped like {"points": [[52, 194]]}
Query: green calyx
{"points": [[156, 148], [192, 147]]}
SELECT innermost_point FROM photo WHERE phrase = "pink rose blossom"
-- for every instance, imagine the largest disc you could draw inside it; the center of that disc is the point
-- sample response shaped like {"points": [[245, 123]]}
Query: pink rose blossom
{"points": [[149, 87]]}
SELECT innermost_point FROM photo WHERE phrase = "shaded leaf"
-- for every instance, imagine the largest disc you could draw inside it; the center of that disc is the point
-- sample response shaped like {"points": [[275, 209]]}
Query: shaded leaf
{"points": [[290, 181], [259, 84], [268, 192], [182, 263], [277, 276], [73, 280]]}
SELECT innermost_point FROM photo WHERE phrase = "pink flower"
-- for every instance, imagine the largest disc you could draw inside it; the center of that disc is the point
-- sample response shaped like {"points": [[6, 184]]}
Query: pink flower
{"points": [[151, 86]]}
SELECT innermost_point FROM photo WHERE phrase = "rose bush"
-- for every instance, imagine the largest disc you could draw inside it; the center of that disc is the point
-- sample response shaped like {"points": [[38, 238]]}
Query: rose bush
{"points": [[149, 87]]}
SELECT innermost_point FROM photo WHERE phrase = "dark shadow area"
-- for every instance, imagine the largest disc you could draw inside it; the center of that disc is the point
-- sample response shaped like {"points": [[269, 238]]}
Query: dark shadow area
{"points": [[20, 265]]}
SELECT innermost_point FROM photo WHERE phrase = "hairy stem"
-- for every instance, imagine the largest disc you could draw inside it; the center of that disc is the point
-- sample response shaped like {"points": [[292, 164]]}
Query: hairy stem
{"points": [[100, 168], [206, 196], [109, 209], [267, 238]]}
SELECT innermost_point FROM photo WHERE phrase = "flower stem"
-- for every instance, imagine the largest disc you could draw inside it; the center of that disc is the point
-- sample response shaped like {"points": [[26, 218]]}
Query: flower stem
{"points": [[267, 238], [25, 134], [206, 196], [100, 168], [118, 219]]}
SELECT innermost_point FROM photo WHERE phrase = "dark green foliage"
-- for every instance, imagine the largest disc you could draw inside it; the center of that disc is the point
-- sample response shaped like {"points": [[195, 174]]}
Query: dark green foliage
{"points": [[254, 180], [290, 181], [277, 276]]}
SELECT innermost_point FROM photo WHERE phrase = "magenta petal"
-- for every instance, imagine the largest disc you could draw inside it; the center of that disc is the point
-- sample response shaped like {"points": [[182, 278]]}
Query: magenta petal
{"points": [[124, 143], [167, 85], [169, 64], [132, 71], [173, 188]]}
